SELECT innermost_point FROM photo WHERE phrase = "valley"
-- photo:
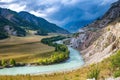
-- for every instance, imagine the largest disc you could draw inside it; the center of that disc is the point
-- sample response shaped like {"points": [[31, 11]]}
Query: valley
{"points": [[31, 48]]}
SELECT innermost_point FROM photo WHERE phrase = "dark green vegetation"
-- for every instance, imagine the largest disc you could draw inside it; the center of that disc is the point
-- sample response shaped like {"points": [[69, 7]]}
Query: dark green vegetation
{"points": [[76, 35], [60, 54], [19, 23], [6, 23], [115, 63], [49, 41], [3, 35], [94, 72], [7, 63], [42, 32], [41, 24]]}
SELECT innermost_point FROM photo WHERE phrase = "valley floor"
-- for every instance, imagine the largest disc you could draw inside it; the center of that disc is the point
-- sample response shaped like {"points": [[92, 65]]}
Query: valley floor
{"points": [[24, 49]]}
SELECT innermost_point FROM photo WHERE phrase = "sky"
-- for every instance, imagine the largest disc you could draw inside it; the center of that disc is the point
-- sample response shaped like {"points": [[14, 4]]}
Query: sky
{"points": [[60, 12]]}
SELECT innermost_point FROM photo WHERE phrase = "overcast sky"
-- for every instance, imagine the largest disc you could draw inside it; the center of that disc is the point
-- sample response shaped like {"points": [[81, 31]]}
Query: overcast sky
{"points": [[60, 11]]}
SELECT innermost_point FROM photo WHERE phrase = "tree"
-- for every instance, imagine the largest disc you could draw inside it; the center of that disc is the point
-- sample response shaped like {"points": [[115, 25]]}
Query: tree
{"points": [[3, 62], [12, 62]]}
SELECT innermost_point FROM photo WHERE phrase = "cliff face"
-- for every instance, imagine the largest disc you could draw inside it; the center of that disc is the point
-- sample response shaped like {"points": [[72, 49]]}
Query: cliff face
{"points": [[105, 45], [101, 38]]}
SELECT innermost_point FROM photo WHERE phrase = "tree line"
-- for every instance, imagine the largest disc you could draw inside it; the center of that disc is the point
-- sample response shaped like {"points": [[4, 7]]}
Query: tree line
{"points": [[60, 54], [7, 63]]}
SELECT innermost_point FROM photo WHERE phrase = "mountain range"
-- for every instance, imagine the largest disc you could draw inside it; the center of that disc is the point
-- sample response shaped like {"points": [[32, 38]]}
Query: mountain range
{"points": [[14, 23], [75, 25]]}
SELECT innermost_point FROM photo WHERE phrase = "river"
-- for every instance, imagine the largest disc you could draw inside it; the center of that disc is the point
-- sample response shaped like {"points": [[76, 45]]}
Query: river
{"points": [[75, 61]]}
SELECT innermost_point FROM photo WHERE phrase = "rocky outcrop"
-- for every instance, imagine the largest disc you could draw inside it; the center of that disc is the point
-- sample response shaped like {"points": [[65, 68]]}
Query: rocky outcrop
{"points": [[104, 46], [101, 38], [10, 30]]}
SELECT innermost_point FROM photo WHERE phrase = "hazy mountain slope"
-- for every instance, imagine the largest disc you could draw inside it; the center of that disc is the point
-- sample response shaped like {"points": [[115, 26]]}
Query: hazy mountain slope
{"points": [[13, 23], [75, 25], [8, 28], [42, 23], [101, 38]]}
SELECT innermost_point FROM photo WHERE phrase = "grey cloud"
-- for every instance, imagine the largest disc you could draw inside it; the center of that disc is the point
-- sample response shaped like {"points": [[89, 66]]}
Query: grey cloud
{"points": [[66, 10]]}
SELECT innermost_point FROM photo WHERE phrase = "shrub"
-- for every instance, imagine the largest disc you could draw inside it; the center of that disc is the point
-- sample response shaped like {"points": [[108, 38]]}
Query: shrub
{"points": [[117, 74], [115, 60], [108, 29], [94, 73], [3, 35], [12, 62], [3, 63]]}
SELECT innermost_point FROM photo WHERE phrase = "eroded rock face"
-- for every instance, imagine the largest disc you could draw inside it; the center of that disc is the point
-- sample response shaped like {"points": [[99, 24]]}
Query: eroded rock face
{"points": [[95, 46], [101, 38], [104, 46]]}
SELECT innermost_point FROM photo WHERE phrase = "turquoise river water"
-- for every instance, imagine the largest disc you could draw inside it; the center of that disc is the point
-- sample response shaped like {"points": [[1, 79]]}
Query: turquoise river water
{"points": [[75, 61]]}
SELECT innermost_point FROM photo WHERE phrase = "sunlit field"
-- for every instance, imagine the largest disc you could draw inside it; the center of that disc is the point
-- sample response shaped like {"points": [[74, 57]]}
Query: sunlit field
{"points": [[24, 49]]}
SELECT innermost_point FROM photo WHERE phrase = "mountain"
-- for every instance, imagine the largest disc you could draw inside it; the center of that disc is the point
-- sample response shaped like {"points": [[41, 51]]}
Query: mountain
{"points": [[13, 23], [42, 23], [7, 27], [75, 25], [101, 38]]}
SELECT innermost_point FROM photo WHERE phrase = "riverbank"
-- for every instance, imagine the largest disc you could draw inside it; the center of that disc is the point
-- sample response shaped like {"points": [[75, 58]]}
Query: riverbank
{"points": [[74, 62], [60, 54]]}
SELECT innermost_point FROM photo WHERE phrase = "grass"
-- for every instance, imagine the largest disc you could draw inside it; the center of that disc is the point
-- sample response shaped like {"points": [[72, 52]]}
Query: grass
{"points": [[24, 49]]}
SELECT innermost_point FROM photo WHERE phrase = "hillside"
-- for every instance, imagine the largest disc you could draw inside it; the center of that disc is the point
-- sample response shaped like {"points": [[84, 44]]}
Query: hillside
{"points": [[7, 27], [74, 26], [13, 23], [42, 23], [101, 38]]}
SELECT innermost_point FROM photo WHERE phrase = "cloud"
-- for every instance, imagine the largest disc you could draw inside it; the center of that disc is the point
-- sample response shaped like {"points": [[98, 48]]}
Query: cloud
{"points": [[107, 2], [6, 1], [37, 13], [61, 12]]}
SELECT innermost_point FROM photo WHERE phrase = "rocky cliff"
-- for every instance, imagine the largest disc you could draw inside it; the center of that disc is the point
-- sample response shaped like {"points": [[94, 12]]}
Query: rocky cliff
{"points": [[100, 39]]}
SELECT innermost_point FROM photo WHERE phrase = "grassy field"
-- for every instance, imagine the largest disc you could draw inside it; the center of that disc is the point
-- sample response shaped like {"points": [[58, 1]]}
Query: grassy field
{"points": [[24, 49]]}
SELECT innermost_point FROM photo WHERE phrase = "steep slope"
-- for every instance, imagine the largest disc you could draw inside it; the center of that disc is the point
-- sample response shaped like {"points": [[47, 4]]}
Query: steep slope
{"points": [[42, 23], [101, 38], [74, 26], [17, 24], [8, 28]]}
